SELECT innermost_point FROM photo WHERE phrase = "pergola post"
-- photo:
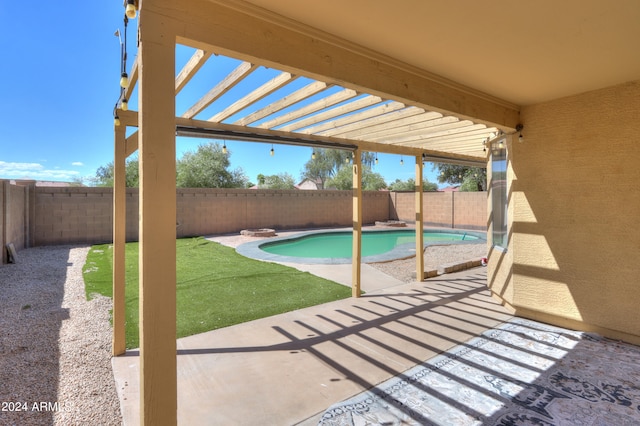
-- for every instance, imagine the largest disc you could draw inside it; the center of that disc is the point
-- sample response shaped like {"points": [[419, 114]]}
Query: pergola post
{"points": [[356, 254], [419, 221], [158, 371], [118, 345]]}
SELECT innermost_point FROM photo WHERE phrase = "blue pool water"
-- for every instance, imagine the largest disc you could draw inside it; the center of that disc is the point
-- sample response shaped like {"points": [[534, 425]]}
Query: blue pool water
{"points": [[339, 244]]}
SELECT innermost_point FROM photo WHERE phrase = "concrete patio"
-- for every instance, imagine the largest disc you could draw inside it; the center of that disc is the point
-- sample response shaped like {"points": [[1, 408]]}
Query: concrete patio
{"points": [[288, 369]]}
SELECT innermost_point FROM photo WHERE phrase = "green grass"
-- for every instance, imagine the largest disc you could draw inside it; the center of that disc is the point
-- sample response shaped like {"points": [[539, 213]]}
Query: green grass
{"points": [[216, 287]]}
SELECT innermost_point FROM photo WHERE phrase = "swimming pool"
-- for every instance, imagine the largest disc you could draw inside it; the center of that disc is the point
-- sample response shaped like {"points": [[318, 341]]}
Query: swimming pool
{"points": [[332, 247]]}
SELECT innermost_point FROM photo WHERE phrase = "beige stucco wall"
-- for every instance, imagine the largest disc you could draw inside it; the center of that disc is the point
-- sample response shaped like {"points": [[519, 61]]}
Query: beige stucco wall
{"points": [[574, 211]]}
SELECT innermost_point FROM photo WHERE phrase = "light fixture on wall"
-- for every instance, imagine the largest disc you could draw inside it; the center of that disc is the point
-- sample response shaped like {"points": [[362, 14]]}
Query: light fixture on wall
{"points": [[519, 128], [272, 151]]}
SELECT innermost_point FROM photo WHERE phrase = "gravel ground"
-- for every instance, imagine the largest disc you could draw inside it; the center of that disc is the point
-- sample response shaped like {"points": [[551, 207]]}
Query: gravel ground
{"points": [[55, 346], [434, 256]]}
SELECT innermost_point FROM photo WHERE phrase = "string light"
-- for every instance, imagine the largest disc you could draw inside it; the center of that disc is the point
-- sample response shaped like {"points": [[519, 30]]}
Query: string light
{"points": [[130, 10], [224, 147], [401, 161], [124, 105], [116, 120], [313, 155], [124, 80], [272, 151], [376, 159]]}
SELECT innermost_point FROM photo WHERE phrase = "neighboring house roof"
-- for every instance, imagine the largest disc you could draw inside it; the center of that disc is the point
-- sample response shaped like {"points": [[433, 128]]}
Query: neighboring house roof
{"points": [[44, 183], [455, 188], [309, 184]]}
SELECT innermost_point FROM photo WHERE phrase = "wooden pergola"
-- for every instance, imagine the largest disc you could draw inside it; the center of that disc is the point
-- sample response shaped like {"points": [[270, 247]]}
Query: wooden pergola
{"points": [[375, 104]]}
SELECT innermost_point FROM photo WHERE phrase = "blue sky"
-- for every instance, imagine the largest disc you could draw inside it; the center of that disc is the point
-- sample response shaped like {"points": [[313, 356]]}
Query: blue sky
{"points": [[61, 70]]}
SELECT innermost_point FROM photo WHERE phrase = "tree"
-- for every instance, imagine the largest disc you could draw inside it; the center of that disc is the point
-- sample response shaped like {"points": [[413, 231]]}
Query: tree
{"points": [[104, 174], [410, 185], [327, 163], [469, 178], [343, 179], [207, 167], [279, 181]]}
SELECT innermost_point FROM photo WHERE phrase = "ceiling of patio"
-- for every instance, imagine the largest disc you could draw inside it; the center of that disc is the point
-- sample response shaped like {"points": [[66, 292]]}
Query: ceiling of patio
{"points": [[521, 52]]}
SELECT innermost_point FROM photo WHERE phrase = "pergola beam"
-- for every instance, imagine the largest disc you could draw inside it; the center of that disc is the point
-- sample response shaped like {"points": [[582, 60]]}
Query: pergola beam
{"points": [[257, 35], [299, 95], [318, 105], [221, 88], [232, 131], [378, 111], [253, 97], [191, 68], [332, 113]]}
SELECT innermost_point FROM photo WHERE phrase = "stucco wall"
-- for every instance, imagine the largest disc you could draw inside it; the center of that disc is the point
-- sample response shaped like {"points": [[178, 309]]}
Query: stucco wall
{"points": [[574, 212]]}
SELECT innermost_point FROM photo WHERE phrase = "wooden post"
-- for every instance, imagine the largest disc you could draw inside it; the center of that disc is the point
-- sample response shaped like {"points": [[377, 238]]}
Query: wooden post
{"points": [[158, 371], [419, 222], [357, 225], [118, 345]]}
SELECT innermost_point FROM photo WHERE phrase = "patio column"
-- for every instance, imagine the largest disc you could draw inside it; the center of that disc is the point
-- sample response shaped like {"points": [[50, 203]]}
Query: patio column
{"points": [[419, 221], [356, 254], [158, 372], [118, 345]]}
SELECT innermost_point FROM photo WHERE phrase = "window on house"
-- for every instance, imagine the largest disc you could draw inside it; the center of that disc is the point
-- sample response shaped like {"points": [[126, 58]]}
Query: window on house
{"points": [[499, 193]]}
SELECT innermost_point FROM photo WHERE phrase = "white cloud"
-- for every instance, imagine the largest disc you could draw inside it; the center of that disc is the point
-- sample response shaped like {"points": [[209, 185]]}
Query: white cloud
{"points": [[77, 163], [34, 171]]}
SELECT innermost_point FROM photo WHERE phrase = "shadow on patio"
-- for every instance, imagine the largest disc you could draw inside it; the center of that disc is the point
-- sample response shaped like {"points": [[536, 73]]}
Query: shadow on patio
{"points": [[291, 368]]}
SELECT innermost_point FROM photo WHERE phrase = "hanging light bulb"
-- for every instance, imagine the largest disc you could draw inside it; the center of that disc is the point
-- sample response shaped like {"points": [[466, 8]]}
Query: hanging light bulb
{"points": [[124, 105], [401, 161], [130, 10], [124, 80], [224, 148], [116, 120], [313, 155], [501, 144], [272, 151], [376, 159], [346, 160]]}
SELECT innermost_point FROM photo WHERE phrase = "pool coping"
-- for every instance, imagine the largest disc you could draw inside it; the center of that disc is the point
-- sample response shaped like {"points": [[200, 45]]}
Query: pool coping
{"points": [[252, 249]]}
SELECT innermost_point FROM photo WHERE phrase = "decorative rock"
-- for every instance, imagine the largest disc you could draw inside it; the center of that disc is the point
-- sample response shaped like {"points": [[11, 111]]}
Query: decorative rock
{"points": [[261, 232], [392, 223]]}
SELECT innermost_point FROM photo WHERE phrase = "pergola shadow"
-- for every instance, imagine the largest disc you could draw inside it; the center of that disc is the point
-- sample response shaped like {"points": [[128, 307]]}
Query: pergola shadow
{"points": [[292, 367]]}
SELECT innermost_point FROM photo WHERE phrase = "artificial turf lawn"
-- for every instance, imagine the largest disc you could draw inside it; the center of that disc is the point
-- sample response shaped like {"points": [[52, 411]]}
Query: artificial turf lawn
{"points": [[216, 287]]}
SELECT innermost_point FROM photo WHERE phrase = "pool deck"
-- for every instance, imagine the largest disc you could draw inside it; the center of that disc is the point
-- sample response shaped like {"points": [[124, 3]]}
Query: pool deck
{"points": [[289, 368]]}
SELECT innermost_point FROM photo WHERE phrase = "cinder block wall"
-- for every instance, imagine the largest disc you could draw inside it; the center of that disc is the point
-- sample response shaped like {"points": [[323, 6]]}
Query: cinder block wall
{"points": [[85, 215], [573, 213], [73, 215], [466, 210], [16, 215]]}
